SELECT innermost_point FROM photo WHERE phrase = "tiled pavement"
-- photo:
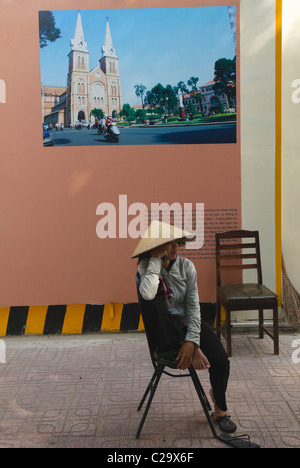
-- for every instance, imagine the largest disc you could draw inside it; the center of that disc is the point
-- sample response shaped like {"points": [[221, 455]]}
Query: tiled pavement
{"points": [[83, 391]]}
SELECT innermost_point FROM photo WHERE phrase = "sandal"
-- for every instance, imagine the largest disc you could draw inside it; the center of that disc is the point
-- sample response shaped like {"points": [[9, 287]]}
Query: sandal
{"points": [[241, 441], [225, 424]]}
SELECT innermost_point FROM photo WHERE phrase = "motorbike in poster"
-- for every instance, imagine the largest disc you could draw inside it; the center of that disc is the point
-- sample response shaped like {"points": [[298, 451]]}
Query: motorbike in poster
{"points": [[113, 133]]}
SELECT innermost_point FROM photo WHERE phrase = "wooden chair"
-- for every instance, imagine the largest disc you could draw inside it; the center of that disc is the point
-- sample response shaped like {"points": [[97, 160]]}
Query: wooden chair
{"points": [[243, 296]]}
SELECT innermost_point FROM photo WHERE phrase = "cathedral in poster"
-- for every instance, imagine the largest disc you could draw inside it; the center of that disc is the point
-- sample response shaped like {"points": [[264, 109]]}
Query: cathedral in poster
{"points": [[86, 89]]}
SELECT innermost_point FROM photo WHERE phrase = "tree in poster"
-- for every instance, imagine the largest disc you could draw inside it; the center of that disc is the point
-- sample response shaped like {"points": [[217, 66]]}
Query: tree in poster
{"points": [[181, 86], [140, 91], [47, 29], [159, 93], [150, 99], [128, 113], [225, 78], [170, 98], [192, 82], [98, 113]]}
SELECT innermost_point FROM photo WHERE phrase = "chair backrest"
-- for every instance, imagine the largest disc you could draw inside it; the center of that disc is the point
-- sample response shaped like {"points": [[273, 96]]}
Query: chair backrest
{"points": [[161, 327], [230, 254], [149, 335]]}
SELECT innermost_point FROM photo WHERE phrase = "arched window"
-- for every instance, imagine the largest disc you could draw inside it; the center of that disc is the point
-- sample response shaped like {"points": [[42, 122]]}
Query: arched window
{"points": [[82, 63], [81, 116], [78, 62], [80, 86]]}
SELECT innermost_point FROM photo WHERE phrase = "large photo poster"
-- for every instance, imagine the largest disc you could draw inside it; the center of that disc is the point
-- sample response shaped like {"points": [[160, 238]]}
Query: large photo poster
{"points": [[123, 115], [160, 90]]}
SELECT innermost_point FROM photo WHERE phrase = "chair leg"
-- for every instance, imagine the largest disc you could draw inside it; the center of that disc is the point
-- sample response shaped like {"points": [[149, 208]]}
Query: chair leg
{"points": [[261, 323], [203, 399], [147, 391], [276, 330], [218, 323], [228, 332], [199, 388], [152, 388]]}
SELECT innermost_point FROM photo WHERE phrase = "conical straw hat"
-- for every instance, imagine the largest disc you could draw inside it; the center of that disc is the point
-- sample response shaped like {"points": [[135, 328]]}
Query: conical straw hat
{"points": [[159, 233]]}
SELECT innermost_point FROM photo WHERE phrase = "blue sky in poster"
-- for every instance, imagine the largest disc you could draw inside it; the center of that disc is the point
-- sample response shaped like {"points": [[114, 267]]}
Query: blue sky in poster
{"points": [[157, 45]]}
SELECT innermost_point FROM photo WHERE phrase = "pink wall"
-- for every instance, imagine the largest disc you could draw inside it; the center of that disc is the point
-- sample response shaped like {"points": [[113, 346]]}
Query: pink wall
{"points": [[49, 250]]}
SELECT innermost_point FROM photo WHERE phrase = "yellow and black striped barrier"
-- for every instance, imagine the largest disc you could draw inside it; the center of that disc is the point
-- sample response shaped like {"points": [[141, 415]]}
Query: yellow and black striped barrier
{"points": [[69, 319], [78, 319]]}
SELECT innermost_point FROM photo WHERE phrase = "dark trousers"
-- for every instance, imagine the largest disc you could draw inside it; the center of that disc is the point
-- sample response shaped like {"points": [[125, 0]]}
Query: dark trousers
{"points": [[219, 364]]}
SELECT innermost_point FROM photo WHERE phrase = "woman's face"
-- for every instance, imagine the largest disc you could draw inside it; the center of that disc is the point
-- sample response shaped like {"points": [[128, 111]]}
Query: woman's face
{"points": [[171, 250]]}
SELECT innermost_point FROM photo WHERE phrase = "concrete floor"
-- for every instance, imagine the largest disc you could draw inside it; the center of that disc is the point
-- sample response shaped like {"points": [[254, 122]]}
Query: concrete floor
{"points": [[83, 391]]}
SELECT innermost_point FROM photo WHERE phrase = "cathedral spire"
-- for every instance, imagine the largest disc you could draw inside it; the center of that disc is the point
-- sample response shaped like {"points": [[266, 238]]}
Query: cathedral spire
{"points": [[108, 49], [78, 42]]}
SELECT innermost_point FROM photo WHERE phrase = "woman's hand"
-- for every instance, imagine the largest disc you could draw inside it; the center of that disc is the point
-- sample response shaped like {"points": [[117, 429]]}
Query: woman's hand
{"points": [[200, 362], [185, 355], [189, 356], [160, 251]]}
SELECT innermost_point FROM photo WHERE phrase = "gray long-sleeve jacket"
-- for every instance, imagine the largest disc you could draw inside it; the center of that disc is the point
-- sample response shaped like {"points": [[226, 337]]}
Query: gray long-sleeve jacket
{"points": [[182, 278]]}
